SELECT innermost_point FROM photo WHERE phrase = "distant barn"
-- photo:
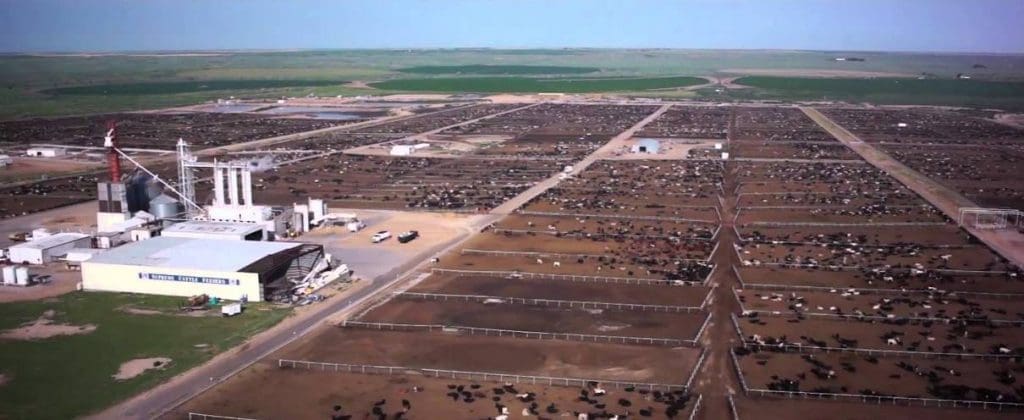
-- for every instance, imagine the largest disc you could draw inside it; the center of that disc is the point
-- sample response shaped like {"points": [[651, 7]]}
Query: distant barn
{"points": [[646, 146]]}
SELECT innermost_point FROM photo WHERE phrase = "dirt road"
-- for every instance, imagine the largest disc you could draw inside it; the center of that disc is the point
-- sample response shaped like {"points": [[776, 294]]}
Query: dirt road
{"points": [[511, 205], [1009, 244]]}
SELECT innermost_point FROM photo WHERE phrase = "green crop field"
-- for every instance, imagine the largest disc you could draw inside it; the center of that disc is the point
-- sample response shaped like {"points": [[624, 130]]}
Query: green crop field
{"points": [[482, 69], [38, 85], [892, 90], [522, 84], [69, 376], [170, 88]]}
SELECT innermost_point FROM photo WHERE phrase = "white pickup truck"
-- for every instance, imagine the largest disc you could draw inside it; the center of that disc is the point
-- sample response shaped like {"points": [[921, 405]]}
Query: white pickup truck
{"points": [[380, 236]]}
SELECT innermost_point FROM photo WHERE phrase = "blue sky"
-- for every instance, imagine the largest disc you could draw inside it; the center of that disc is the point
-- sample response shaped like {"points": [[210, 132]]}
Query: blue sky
{"points": [[875, 25]]}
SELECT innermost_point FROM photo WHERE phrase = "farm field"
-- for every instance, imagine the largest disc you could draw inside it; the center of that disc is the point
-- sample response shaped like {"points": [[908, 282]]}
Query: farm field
{"points": [[527, 85]]}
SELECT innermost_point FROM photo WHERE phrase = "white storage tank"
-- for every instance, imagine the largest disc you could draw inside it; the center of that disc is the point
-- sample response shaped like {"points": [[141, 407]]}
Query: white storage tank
{"points": [[21, 275], [9, 274]]}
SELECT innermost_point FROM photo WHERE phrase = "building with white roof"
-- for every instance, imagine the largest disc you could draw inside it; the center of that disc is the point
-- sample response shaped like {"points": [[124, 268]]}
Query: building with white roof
{"points": [[651, 146], [47, 249], [193, 266], [215, 230]]}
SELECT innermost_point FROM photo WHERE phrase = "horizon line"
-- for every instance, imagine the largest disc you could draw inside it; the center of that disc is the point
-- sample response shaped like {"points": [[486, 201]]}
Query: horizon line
{"points": [[279, 50]]}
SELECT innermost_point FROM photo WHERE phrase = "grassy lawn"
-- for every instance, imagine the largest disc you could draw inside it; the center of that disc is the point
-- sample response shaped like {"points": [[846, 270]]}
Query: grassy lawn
{"points": [[489, 69], [888, 90], [68, 376], [523, 84]]}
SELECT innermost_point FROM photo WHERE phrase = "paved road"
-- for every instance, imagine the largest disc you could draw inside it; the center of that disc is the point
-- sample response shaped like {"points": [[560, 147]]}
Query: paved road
{"points": [[1008, 243]]}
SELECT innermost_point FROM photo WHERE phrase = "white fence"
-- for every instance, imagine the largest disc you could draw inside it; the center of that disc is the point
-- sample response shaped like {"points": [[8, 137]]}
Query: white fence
{"points": [[696, 407], [571, 277], [732, 407], [790, 287], [599, 235], [561, 255], [540, 335], [809, 348], [471, 375], [877, 399], [856, 317], [552, 302], [203, 416], [618, 216]]}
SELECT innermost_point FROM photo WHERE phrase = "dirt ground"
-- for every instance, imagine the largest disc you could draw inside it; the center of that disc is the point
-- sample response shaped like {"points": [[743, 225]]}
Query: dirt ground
{"points": [[62, 281], [357, 394], [784, 409], [924, 336], [598, 361], [563, 290], [860, 374], [369, 259], [991, 283], [853, 303], [28, 167], [619, 323], [44, 327], [136, 367]]}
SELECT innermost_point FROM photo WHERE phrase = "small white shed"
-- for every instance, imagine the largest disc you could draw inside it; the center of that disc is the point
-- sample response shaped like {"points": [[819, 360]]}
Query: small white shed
{"points": [[44, 250]]}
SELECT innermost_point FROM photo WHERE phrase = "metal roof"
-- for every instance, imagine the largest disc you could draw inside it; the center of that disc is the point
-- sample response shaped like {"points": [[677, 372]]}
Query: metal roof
{"points": [[213, 228], [51, 241], [192, 253]]}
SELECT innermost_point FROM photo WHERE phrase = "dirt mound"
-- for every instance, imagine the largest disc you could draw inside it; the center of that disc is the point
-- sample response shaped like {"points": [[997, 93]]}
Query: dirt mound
{"points": [[43, 328], [136, 367]]}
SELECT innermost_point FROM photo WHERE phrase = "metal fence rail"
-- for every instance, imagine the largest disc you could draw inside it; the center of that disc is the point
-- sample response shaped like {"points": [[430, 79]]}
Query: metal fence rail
{"points": [[732, 407], [783, 287], [696, 407], [880, 399], [552, 302], [696, 368], [886, 292], [558, 255], [618, 216], [802, 348], [204, 416], [470, 375], [571, 277], [598, 235], [855, 318], [540, 335]]}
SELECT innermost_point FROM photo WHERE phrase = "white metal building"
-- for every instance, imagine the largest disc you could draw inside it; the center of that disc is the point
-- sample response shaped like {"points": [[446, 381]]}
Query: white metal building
{"points": [[45, 152], [646, 146], [215, 230], [188, 267], [47, 249]]}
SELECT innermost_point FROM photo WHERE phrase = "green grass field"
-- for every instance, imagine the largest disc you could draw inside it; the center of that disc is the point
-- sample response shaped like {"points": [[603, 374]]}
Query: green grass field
{"points": [[484, 69], [34, 85], [170, 88], [69, 376], [529, 85], [890, 91]]}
